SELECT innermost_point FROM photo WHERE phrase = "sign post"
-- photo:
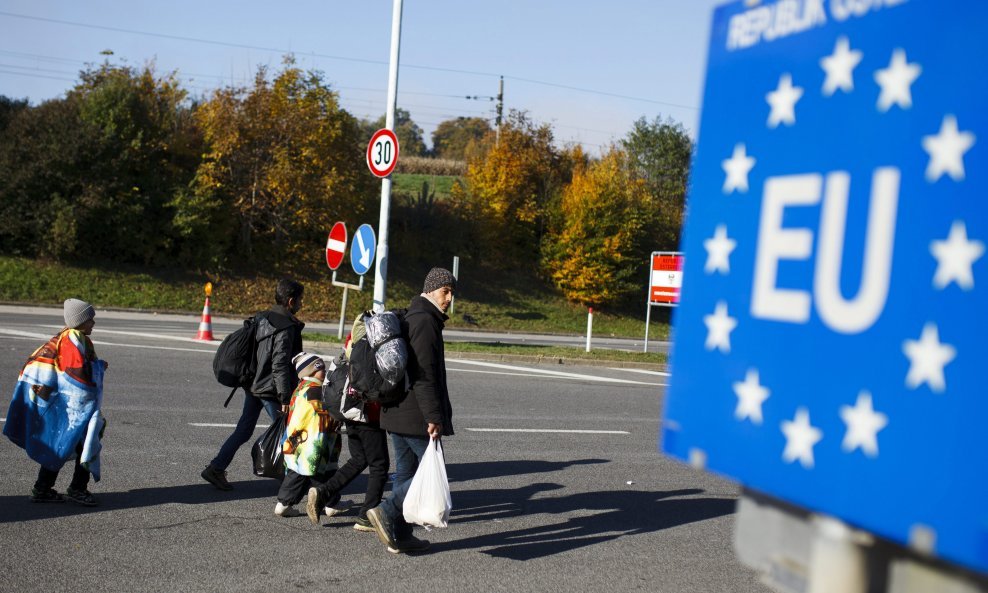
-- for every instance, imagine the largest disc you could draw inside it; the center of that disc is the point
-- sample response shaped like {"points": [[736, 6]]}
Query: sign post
{"points": [[830, 354], [665, 282], [335, 249]]}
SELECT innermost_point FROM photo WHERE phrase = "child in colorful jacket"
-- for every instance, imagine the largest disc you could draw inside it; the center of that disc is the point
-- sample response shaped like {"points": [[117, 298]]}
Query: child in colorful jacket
{"points": [[55, 412], [312, 444]]}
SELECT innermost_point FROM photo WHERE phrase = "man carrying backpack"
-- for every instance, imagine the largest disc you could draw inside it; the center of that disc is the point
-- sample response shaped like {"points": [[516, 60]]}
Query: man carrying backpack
{"points": [[425, 411], [279, 339]]}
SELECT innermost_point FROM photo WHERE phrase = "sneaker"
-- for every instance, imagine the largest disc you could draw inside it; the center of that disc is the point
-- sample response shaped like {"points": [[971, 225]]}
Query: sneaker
{"points": [[216, 477], [282, 510], [313, 506], [338, 507], [382, 525], [410, 545], [83, 497], [49, 495], [363, 525]]}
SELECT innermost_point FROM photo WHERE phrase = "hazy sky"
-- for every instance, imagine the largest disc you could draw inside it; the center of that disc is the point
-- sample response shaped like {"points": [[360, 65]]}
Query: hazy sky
{"points": [[637, 57]]}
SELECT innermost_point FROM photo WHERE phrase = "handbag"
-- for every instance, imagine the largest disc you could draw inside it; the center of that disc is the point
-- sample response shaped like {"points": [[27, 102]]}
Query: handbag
{"points": [[428, 502], [269, 460]]}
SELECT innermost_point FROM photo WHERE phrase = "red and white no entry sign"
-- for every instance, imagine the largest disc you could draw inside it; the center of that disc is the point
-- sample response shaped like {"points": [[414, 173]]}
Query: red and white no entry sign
{"points": [[336, 245], [382, 152]]}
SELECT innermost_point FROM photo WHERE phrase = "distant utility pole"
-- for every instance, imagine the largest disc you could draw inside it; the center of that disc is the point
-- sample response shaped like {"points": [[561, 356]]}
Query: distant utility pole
{"points": [[500, 109]]}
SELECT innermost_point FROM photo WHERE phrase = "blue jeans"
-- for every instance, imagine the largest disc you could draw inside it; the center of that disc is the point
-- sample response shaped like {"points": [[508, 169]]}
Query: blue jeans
{"points": [[245, 428], [408, 452]]}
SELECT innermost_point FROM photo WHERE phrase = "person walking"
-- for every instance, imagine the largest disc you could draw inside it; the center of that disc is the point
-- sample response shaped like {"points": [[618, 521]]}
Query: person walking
{"points": [[279, 339], [55, 412], [312, 444], [424, 413]]}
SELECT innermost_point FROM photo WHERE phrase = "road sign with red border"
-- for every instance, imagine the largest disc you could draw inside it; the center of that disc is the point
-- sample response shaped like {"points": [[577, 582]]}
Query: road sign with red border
{"points": [[336, 245], [666, 278], [382, 153]]}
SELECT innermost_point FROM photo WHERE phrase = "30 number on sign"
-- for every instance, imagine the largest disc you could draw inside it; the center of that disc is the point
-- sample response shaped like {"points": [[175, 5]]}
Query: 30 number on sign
{"points": [[382, 153]]}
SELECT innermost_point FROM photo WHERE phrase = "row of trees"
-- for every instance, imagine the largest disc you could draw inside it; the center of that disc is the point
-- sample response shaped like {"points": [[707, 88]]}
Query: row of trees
{"points": [[126, 168]]}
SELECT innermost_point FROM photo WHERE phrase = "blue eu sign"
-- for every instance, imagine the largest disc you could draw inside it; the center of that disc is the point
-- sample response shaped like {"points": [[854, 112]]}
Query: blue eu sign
{"points": [[831, 339]]}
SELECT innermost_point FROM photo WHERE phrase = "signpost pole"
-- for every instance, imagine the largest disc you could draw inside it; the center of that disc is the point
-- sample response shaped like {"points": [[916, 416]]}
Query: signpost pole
{"points": [[381, 271], [589, 326], [648, 319], [346, 293], [456, 274]]}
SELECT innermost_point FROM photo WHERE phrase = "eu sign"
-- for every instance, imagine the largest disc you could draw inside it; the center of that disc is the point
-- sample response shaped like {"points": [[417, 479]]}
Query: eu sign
{"points": [[832, 333]]}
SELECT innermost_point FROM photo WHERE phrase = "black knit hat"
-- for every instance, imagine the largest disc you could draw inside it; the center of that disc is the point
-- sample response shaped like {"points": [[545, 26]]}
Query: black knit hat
{"points": [[437, 278]]}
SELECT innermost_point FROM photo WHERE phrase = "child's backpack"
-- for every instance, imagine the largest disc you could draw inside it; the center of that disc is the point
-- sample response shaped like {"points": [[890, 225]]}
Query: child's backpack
{"points": [[235, 362]]}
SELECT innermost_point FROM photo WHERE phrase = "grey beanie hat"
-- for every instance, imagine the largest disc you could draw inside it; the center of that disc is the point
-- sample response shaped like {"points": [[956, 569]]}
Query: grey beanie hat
{"points": [[437, 278], [77, 312]]}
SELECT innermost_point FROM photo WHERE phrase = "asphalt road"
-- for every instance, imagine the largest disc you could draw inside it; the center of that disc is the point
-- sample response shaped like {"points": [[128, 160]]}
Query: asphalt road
{"points": [[534, 509]]}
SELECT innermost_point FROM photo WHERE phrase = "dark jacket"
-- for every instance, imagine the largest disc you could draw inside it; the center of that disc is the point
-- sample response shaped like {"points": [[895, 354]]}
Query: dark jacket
{"points": [[428, 397], [279, 339]]}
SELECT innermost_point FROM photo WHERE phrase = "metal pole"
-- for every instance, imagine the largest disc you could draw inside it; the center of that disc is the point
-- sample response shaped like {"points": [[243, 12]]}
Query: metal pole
{"points": [[346, 292], [648, 320], [456, 274], [381, 272], [589, 326]]}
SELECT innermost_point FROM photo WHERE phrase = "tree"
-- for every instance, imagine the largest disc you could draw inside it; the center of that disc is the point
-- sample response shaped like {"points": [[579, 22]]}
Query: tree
{"points": [[91, 175], [410, 142], [660, 154], [452, 137], [594, 252], [283, 158], [508, 187]]}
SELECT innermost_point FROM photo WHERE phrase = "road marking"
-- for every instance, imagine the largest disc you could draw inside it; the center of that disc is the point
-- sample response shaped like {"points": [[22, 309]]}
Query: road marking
{"points": [[213, 425], [140, 334], [574, 378], [550, 373], [28, 335], [659, 373], [553, 430]]}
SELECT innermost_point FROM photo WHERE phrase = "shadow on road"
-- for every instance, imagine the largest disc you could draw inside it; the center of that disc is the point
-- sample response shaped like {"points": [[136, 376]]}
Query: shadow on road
{"points": [[464, 472], [601, 517], [20, 508]]}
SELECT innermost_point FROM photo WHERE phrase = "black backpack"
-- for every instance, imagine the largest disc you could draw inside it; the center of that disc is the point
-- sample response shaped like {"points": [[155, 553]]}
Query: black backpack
{"points": [[235, 362]]}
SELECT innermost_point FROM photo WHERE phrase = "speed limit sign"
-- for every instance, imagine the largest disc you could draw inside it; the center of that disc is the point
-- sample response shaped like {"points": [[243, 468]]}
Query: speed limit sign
{"points": [[382, 152]]}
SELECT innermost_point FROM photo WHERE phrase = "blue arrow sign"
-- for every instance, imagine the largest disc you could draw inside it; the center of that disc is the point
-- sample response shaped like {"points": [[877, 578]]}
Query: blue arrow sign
{"points": [[831, 337], [362, 249]]}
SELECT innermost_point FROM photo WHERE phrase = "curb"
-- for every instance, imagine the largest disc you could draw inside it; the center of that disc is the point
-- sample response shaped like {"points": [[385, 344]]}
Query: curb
{"points": [[331, 350]]}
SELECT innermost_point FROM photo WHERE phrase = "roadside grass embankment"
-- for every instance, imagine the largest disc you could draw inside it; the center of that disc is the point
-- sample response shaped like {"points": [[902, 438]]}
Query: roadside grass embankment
{"points": [[508, 304]]}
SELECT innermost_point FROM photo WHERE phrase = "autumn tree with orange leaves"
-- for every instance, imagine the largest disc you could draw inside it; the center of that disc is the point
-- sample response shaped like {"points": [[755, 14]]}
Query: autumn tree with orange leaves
{"points": [[284, 160]]}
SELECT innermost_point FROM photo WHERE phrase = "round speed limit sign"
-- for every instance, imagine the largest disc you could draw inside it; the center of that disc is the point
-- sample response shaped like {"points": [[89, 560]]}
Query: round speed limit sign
{"points": [[382, 152]]}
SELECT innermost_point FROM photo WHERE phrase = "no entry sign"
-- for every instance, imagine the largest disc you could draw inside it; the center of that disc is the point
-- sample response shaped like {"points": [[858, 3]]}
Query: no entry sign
{"points": [[382, 153], [336, 246]]}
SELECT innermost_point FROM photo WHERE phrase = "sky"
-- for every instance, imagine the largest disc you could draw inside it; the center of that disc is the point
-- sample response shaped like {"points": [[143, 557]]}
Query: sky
{"points": [[589, 69]]}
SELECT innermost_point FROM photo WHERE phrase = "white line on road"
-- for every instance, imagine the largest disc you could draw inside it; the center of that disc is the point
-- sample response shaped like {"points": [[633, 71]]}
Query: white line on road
{"points": [[142, 335], [28, 335], [659, 373], [554, 430], [212, 425], [550, 373]]}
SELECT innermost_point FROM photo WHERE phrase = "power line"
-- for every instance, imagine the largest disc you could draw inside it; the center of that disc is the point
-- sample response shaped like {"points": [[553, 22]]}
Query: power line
{"points": [[334, 57]]}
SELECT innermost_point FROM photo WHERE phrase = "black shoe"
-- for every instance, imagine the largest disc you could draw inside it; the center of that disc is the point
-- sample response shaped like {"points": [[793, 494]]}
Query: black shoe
{"points": [[216, 477], [382, 525], [313, 508], [409, 545], [49, 495], [83, 497], [363, 525]]}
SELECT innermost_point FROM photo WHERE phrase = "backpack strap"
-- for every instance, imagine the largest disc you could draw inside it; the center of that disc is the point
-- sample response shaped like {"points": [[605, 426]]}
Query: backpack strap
{"points": [[229, 397]]}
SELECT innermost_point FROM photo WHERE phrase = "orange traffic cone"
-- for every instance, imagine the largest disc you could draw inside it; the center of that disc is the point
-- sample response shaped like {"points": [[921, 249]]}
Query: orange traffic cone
{"points": [[206, 325]]}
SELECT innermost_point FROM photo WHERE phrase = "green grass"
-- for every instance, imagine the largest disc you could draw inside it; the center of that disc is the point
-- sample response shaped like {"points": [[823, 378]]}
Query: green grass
{"points": [[411, 183], [526, 350], [510, 301]]}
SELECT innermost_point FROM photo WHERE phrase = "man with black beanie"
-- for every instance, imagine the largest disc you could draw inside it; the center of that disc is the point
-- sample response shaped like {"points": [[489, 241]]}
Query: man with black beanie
{"points": [[425, 411]]}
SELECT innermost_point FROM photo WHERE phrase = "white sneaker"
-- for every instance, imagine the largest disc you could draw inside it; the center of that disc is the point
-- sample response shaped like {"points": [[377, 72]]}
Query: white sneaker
{"points": [[340, 507], [286, 511]]}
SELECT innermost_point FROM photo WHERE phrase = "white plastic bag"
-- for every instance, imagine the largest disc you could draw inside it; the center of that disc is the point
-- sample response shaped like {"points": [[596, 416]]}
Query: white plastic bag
{"points": [[427, 502]]}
